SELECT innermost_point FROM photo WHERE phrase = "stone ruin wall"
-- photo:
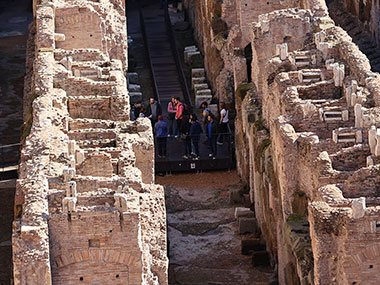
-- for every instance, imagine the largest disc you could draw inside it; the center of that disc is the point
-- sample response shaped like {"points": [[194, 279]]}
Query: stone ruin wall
{"points": [[221, 30], [306, 133], [86, 204], [366, 12], [308, 121]]}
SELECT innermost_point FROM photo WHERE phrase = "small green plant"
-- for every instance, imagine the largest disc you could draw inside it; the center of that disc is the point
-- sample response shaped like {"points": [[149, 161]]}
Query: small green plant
{"points": [[294, 218], [242, 90]]}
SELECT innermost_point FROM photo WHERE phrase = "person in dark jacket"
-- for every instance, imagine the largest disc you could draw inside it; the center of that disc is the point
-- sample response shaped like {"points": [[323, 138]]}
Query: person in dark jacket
{"points": [[153, 110], [195, 134], [161, 130], [185, 129], [212, 134]]}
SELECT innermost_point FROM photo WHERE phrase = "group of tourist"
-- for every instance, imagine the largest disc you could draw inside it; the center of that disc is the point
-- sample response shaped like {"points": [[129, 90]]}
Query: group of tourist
{"points": [[184, 125]]}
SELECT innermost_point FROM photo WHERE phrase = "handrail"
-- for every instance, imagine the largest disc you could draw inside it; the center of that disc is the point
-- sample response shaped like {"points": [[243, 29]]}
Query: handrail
{"points": [[142, 24], [10, 145], [182, 77]]}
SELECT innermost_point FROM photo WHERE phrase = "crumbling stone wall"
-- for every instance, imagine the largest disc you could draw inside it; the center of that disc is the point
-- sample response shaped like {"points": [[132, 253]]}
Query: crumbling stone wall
{"points": [[316, 207], [86, 204]]}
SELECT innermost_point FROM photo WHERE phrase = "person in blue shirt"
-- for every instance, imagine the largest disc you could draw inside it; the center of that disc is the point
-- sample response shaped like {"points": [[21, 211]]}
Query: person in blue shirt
{"points": [[212, 134], [161, 129], [195, 134]]}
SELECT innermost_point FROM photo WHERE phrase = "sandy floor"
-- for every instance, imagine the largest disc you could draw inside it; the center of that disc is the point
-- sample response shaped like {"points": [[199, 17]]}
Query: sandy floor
{"points": [[204, 245], [216, 179]]}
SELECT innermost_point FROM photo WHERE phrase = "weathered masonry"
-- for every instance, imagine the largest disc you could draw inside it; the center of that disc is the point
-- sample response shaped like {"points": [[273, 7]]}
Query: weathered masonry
{"points": [[87, 208], [307, 129]]}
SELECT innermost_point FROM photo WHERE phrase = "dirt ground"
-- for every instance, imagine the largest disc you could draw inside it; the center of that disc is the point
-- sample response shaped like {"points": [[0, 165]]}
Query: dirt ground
{"points": [[204, 244], [215, 179]]}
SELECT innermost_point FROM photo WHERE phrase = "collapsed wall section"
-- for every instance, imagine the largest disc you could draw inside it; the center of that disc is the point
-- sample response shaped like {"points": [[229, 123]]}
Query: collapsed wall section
{"points": [[86, 205], [308, 123]]}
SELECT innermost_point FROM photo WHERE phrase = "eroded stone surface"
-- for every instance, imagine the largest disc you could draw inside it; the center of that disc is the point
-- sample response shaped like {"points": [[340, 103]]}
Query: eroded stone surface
{"points": [[88, 208]]}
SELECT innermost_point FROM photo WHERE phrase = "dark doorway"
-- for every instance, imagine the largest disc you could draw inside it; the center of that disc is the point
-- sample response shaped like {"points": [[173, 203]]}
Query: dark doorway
{"points": [[248, 58]]}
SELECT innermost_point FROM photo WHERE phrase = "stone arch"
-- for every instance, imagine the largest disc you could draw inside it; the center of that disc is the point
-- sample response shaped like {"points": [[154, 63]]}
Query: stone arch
{"points": [[103, 265], [363, 266]]}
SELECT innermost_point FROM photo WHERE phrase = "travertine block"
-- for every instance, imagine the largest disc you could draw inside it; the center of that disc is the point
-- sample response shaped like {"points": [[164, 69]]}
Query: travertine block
{"points": [[69, 204], [79, 156], [198, 72], [59, 37], [372, 139], [358, 208], [358, 115], [202, 98], [243, 212]]}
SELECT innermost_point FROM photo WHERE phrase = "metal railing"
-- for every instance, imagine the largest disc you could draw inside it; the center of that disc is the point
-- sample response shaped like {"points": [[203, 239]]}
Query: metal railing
{"points": [[9, 159], [179, 153], [177, 58]]}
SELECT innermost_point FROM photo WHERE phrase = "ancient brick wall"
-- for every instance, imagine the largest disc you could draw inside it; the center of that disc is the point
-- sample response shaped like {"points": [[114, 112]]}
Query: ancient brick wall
{"points": [[312, 163], [87, 208]]}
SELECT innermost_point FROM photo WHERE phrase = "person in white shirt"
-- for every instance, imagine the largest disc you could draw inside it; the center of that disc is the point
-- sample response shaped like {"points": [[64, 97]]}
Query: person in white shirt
{"points": [[223, 123]]}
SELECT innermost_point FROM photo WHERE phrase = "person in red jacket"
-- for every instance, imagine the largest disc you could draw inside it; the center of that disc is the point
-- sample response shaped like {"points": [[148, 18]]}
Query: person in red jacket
{"points": [[179, 113]]}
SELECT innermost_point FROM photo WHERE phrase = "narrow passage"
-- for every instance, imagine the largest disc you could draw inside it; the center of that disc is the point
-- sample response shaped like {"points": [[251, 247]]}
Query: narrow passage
{"points": [[204, 244]]}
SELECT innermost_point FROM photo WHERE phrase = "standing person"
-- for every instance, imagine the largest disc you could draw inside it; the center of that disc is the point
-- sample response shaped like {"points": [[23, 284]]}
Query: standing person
{"points": [[179, 113], [185, 130], [195, 134], [172, 110], [212, 133], [223, 123], [161, 130], [153, 110], [205, 112], [137, 109]]}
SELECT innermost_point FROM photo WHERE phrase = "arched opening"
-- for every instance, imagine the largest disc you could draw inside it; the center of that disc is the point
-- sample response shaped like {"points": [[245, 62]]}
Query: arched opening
{"points": [[248, 58]]}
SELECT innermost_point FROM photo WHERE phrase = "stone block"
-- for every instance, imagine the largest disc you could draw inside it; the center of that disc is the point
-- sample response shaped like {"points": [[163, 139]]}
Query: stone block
{"points": [[236, 196], [282, 51], [79, 156], [198, 72], [197, 80], [133, 78], [69, 204], [190, 48], [134, 88], [345, 115], [358, 207], [248, 225], [199, 99], [241, 212], [200, 87], [135, 97], [369, 161], [59, 37], [250, 245], [372, 139], [195, 59], [260, 258]]}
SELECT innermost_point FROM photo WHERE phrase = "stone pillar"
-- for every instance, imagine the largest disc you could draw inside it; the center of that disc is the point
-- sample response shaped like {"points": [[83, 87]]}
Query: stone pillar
{"points": [[282, 51], [358, 208], [358, 115], [372, 139], [240, 71], [377, 148]]}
